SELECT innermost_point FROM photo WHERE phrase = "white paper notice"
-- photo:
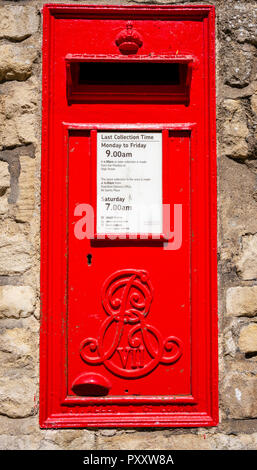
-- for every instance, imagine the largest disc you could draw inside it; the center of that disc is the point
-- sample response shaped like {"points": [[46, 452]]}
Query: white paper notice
{"points": [[129, 182]]}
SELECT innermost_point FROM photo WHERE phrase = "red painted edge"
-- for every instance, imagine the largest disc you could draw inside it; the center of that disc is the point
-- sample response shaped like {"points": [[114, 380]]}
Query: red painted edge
{"points": [[47, 418]]}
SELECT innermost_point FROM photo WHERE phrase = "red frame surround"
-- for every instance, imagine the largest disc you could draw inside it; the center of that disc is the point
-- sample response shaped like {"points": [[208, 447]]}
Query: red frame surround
{"points": [[58, 407]]}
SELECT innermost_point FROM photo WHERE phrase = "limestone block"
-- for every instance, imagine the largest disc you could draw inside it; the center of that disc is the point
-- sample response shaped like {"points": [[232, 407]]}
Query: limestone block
{"points": [[17, 396], [15, 253], [19, 347], [18, 22], [242, 301], [19, 131], [18, 103], [26, 128], [239, 395], [222, 441], [68, 439], [238, 64], [4, 206], [155, 440], [18, 98], [248, 339], [235, 130], [247, 260], [16, 60], [4, 178], [19, 442], [234, 198], [16, 301], [230, 346], [26, 434], [4, 187], [254, 102], [26, 197], [239, 21], [181, 441]]}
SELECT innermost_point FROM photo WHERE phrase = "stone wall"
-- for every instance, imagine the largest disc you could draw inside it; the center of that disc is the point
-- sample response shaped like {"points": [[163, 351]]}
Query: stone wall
{"points": [[20, 98]]}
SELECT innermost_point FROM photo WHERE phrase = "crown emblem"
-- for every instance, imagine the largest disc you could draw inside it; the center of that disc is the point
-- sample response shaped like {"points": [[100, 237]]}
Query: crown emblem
{"points": [[129, 40]]}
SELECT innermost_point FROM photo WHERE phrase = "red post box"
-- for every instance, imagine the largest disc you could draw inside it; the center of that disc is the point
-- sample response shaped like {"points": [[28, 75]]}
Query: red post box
{"points": [[129, 327]]}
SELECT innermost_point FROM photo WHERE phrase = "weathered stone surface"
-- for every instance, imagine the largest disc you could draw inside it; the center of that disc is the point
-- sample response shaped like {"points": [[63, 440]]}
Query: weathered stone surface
{"points": [[3, 205], [18, 22], [238, 64], [159, 441], [4, 187], [17, 396], [18, 103], [233, 199], [242, 301], [230, 345], [18, 98], [18, 131], [69, 439], [19, 348], [32, 438], [233, 442], [254, 102], [153, 440], [4, 178], [18, 367], [26, 195], [16, 301], [235, 130], [239, 22], [16, 60], [15, 253], [244, 366], [239, 395], [247, 260], [248, 339]]}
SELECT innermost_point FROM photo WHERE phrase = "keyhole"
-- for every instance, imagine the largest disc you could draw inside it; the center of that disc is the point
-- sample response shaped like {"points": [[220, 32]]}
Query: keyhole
{"points": [[89, 259]]}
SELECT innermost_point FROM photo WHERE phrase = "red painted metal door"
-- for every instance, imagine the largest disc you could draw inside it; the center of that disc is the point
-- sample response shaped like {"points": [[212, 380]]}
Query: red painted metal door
{"points": [[128, 332]]}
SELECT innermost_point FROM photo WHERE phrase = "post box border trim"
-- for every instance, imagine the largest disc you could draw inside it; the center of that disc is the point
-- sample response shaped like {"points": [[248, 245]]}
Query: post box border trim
{"points": [[48, 369], [123, 11]]}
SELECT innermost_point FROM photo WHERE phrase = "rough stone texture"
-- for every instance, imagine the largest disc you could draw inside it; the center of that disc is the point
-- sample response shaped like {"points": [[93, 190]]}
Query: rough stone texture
{"points": [[16, 301], [15, 253], [19, 347], [235, 130], [18, 22], [167, 441], [4, 178], [17, 396], [238, 64], [4, 187], [26, 195], [20, 94], [242, 301], [239, 22], [247, 262], [18, 105], [239, 395], [254, 102], [16, 60], [32, 438], [18, 369], [230, 345], [235, 219], [248, 339]]}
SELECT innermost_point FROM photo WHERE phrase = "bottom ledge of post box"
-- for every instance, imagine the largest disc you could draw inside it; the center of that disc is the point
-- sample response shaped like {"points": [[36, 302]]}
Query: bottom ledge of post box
{"points": [[125, 420]]}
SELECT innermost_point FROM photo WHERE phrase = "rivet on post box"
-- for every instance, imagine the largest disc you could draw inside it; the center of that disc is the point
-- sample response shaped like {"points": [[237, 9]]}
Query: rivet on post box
{"points": [[128, 270]]}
